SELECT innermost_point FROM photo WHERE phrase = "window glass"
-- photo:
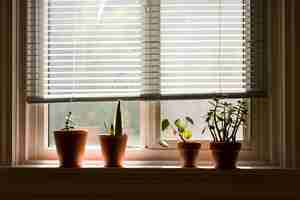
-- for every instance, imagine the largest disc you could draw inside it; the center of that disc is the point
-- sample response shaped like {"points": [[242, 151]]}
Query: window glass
{"points": [[195, 109], [92, 115]]}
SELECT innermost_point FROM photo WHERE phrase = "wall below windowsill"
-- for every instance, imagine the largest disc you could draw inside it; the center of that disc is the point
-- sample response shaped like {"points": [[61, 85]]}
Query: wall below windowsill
{"points": [[153, 182]]}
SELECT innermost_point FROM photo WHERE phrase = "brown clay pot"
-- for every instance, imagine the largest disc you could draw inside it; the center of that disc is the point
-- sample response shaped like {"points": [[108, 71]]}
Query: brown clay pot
{"points": [[113, 149], [189, 152], [225, 155], [70, 147]]}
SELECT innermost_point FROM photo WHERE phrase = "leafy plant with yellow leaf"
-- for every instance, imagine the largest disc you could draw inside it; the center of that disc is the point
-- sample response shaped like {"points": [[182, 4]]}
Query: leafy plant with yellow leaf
{"points": [[179, 128]]}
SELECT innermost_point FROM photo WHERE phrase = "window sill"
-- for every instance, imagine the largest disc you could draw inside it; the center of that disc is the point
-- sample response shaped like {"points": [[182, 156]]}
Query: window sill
{"points": [[242, 165]]}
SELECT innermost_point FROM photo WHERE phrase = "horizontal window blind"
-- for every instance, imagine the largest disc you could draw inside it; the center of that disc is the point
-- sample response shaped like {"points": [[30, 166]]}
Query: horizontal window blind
{"points": [[206, 48], [85, 50]]}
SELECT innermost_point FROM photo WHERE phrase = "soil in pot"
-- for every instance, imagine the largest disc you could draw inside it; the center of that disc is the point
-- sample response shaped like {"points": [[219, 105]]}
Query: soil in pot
{"points": [[113, 149], [225, 155], [70, 147], [189, 152]]}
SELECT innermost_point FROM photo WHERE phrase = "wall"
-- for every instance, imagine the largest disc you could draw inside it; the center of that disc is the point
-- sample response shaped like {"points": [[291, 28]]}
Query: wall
{"points": [[143, 183], [35, 183], [5, 80], [296, 78]]}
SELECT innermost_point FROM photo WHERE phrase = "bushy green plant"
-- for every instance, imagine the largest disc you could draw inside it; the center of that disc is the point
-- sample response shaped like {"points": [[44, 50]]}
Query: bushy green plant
{"points": [[179, 128], [116, 129], [69, 123], [224, 119]]}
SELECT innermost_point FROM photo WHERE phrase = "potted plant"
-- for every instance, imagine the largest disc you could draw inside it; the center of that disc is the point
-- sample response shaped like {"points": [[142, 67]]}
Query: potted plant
{"points": [[113, 144], [188, 150], [70, 144], [223, 122]]}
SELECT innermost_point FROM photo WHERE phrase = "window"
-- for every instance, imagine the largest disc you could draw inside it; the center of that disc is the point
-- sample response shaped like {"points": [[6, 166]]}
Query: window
{"points": [[196, 110], [91, 116], [84, 54]]}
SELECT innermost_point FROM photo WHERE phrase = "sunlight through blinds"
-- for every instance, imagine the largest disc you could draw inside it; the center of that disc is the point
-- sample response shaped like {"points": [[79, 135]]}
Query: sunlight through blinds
{"points": [[93, 50], [204, 47], [88, 48]]}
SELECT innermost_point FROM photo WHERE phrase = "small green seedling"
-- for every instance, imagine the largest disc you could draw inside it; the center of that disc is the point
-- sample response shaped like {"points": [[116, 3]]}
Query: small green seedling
{"points": [[69, 123]]}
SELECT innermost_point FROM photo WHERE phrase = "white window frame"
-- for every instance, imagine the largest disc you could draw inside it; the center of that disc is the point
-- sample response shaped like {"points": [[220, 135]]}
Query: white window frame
{"points": [[269, 147]]}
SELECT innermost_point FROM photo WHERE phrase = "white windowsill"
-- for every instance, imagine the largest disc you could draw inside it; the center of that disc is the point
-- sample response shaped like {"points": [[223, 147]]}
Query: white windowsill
{"points": [[143, 164]]}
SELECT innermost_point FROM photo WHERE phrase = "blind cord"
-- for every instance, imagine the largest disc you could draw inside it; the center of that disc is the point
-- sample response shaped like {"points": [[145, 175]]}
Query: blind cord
{"points": [[220, 46], [101, 7], [73, 64]]}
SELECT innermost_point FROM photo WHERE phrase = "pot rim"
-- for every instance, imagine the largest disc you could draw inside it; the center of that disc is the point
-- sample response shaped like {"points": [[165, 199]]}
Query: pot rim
{"points": [[72, 131], [225, 145], [225, 142], [189, 144], [112, 136]]}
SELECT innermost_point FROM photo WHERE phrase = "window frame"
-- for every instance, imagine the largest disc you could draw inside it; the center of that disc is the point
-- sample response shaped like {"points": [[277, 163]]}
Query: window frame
{"points": [[149, 114], [266, 146]]}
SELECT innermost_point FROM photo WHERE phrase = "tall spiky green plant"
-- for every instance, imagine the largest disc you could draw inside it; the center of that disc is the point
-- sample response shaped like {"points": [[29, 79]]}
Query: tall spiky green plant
{"points": [[118, 122]]}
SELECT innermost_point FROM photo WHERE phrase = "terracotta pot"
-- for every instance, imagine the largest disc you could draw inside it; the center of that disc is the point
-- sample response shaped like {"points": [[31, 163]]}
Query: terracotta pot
{"points": [[189, 152], [70, 147], [225, 155], [113, 149]]}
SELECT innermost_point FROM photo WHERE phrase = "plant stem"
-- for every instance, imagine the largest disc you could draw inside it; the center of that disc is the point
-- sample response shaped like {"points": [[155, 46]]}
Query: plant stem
{"points": [[228, 131], [235, 126], [182, 138], [235, 133], [228, 127], [175, 131], [224, 122], [213, 134], [212, 131], [216, 123]]}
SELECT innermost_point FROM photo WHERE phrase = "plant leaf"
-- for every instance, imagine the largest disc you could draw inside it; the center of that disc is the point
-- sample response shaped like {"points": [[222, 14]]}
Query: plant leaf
{"points": [[203, 130], [111, 131], [163, 143], [212, 103], [69, 123], [187, 134], [219, 118], [207, 119], [105, 125], [190, 120], [179, 124], [180, 130], [118, 122], [165, 124]]}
